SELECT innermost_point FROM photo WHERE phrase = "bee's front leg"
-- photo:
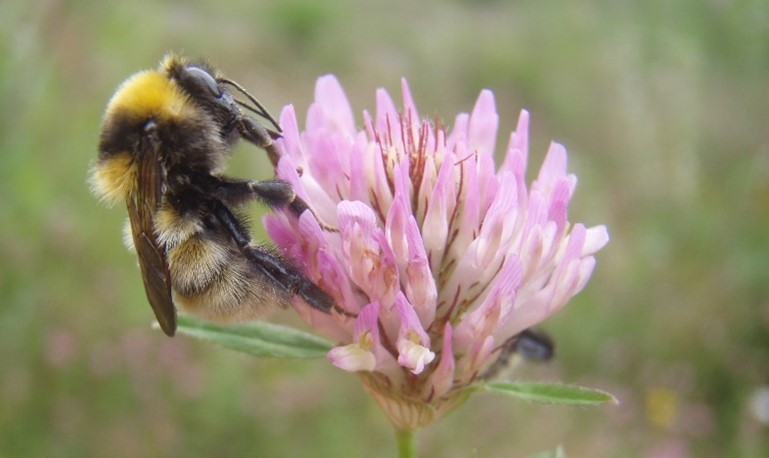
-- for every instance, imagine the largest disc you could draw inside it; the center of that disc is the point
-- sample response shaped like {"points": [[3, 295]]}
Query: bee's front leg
{"points": [[275, 193]]}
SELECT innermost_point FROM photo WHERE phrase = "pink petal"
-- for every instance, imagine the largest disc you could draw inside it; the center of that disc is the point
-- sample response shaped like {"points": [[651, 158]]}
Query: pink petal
{"points": [[424, 194], [518, 148], [395, 230], [442, 378], [559, 203], [420, 284], [402, 181], [482, 135], [477, 357], [497, 225], [330, 163], [409, 320], [361, 354], [569, 276], [281, 234], [435, 228], [371, 264], [395, 226], [286, 170], [386, 113], [290, 140], [459, 132], [352, 213], [414, 356], [484, 320], [413, 343], [378, 182], [358, 179], [488, 181], [331, 98], [468, 221], [586, 267], [575, 243], [526, 314], [409, 107], [352, 358], [367, 322], [334, 280], [322, 266], [553, 167], [595, 238]]}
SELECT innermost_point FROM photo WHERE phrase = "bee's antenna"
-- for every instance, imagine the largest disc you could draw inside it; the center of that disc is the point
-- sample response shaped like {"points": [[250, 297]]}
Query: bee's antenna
{"points": [[260, 110]]}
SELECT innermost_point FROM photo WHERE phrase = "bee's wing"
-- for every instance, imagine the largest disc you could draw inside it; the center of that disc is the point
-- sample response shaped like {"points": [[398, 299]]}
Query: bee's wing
{"points": [[152, 261]]}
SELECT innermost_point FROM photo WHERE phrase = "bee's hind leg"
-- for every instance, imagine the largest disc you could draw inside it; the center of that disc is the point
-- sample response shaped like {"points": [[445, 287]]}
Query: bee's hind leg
{"points": [[282, 274]]}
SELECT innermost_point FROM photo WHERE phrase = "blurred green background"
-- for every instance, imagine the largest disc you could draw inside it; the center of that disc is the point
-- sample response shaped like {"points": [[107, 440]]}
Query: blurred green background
{"points": [[663, 106]]}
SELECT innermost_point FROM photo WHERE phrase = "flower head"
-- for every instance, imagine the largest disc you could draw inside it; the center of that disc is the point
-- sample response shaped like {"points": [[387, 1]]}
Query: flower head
{"points": [[440, 259]]}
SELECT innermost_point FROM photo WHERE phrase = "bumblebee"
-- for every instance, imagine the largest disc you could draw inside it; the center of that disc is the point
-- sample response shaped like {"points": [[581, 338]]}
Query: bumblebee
{"points": [[165, 136]]}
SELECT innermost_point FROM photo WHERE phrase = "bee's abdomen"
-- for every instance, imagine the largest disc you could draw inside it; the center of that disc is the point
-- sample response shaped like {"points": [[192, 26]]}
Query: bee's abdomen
{"points": [[195, 263], [215, 281]]}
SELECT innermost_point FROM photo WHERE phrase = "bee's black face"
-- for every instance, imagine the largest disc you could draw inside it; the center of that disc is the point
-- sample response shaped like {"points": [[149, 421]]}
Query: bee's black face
{"points": [[200, 79], [203, 87]]}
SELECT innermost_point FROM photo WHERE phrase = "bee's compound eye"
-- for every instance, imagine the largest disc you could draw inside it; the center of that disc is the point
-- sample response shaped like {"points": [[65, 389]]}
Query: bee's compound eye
{"points": [[203, 78]]}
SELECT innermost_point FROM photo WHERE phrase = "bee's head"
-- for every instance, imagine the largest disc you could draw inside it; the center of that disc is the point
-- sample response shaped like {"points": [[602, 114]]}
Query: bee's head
{"points": [[211, 91], [207, 88]]}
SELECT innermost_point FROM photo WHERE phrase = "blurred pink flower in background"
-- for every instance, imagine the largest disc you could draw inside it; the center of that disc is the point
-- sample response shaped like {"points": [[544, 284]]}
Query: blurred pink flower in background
{"points": [[441, 259]]}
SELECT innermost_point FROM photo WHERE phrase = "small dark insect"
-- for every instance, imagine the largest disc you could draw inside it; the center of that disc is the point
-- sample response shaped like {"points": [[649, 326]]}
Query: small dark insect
{"points": [[530, 344], [165, 136]]}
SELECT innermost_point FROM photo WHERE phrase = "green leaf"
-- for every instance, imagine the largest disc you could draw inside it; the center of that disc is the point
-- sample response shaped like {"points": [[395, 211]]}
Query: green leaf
{"points": [[550, 393], [257, 338]]}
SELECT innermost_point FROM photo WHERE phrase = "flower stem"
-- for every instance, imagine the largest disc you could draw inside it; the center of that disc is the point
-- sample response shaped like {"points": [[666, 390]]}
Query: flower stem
{"points": [[407, 443]]}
